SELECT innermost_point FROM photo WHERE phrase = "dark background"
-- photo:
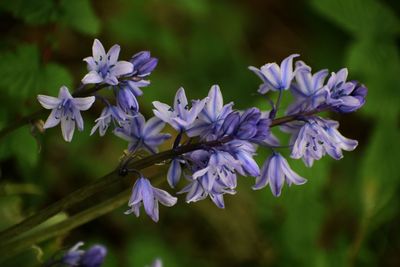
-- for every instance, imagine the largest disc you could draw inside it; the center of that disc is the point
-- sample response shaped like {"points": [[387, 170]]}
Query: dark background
{"points": [[346, 215]]}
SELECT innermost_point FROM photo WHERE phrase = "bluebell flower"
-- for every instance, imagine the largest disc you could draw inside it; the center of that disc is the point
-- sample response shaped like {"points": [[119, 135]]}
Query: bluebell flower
{"points": [[309, 89], [105, 68], [317, 137], [275, 172], [93, 257], [244, 152], [141, 134], [221, 166], [180, 116], [274, 77], [73, 255], [345, 96], [143, 64], [250, 125], [196, 190], [212, 116], [109, 114], [67, 110], [174, 172], [127, 101], [144, 193]]}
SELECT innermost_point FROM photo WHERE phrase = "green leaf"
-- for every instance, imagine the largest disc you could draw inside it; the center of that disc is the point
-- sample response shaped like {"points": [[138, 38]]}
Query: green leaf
{"points": [[377, 64], [20, 70], [79, 15], [381, 172], [360, 17], [53, 77], [33, 12]]}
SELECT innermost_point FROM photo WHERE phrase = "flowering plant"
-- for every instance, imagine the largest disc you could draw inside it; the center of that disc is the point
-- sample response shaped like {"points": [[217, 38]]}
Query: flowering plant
{"points": [[213, 144]]}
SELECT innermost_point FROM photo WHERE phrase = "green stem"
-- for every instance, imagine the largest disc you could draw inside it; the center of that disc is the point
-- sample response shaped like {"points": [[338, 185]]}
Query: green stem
{"points": [[13, 246]]}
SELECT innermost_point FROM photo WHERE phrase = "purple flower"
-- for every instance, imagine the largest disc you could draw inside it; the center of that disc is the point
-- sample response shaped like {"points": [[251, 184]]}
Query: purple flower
{"points": [[65, 109], [180, 116], [141, 134], [309, 89], [317, 137], [275, 172], [196, 191], [212, 116], [276, 78], [174, 172], [221, 166], [144, 193], [105, 68], [244, 152], [93, 257], [345, 96], [143, 64], [251, 125], [127, 101], [73, 255], [109, 114]]}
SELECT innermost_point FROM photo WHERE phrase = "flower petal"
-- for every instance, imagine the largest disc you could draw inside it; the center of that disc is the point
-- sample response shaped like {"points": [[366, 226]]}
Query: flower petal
{"points": [[67, 128], [84, 103], [48, 102], [174, 173], [121, 68], [52, 120], [113, 54], [98, 51], [92, 77], [164, 197]]}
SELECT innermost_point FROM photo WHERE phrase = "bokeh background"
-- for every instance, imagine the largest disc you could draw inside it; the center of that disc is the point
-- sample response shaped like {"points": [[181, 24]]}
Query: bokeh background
{"points": [[347, 214]]}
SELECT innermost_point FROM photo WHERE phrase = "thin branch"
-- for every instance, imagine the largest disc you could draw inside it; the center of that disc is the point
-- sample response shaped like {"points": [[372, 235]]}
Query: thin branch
{"points": [[12, 247]]}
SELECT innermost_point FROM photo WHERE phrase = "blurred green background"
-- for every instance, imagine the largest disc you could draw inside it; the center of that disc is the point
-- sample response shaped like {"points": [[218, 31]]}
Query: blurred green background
{"points": [[347, 214]]}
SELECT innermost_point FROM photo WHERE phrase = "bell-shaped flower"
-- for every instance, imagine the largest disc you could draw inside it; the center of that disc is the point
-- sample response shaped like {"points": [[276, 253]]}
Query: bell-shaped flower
{"points": [[143, 64], [143, 193], [109, 114], [105, 68], [93, 257], [174, 172], [317, 137], [196, 190], [127, 101], [67, 110], [180, 116], [275, 77], [141, 134], [309, 89], [244, 152], [345, 96], [212, 116], [221, 166], [275, 172]]}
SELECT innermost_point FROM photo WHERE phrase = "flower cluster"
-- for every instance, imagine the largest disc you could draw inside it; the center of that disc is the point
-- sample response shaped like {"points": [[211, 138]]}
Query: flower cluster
{"points": [[227, 139], [125, 78]]}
